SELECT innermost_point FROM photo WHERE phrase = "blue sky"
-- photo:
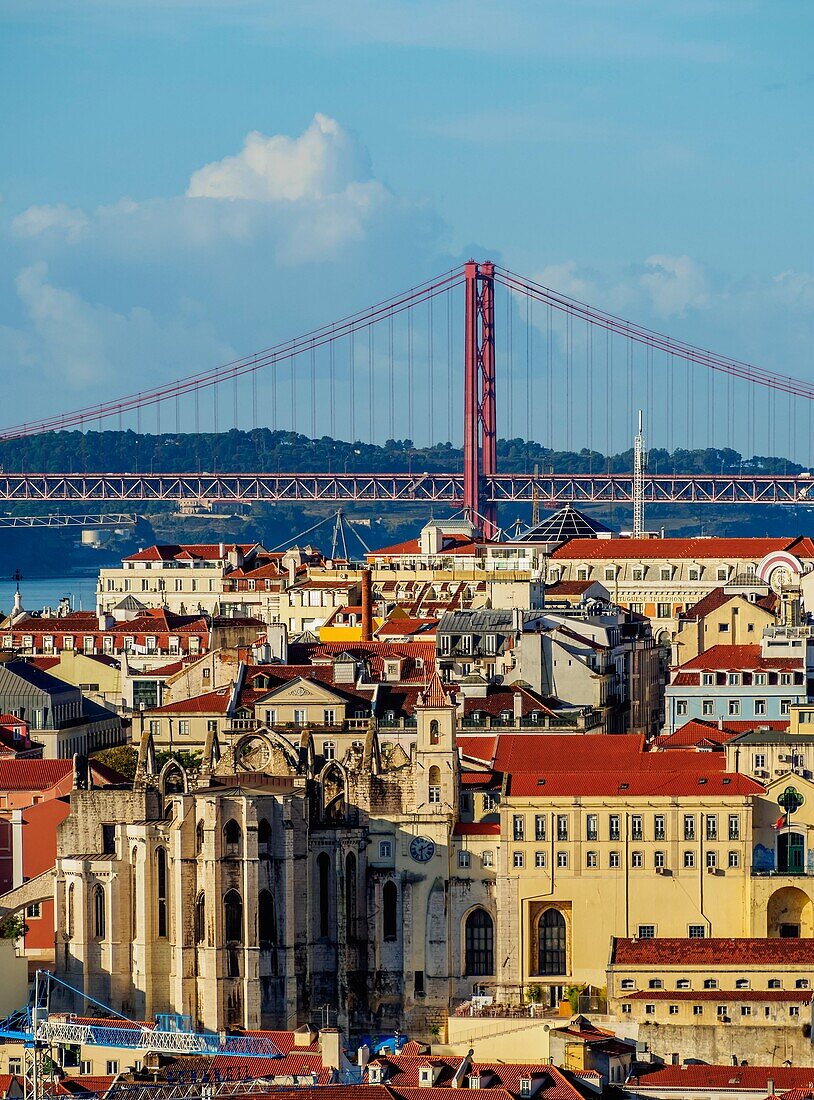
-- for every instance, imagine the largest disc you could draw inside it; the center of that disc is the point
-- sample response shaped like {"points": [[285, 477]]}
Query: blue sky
{"points": [[655, 159]]}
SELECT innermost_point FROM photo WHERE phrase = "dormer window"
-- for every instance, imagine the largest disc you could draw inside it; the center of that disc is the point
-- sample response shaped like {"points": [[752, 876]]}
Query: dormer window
{"points": [[695, 573], [583, 573], [425, 1077], [525, 1086], [374, 1074], [665, 573], [474, 1080], [638, 572]]}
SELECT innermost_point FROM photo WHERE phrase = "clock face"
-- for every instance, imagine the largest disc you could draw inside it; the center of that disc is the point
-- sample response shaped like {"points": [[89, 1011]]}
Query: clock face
{"points": [[422, 848]]}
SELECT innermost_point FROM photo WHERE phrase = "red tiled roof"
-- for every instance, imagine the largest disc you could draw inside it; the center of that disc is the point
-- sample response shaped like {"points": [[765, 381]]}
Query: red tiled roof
{"points": [[727, 658], [32, 775], [435, 694], [646, 782], [210, 702], [209, 551], [566, 750], [451, 544], [6, 1081], [712, 952], [693, 733], [710, 549], [406, 625], [718, 597], [568, 588], [488, 779], [727, 1078], [801, 995], [477, 828], [477, 746]]}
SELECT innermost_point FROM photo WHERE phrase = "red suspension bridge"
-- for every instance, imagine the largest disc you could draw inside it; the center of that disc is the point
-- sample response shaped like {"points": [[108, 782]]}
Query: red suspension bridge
{"points": [[569, 374]]}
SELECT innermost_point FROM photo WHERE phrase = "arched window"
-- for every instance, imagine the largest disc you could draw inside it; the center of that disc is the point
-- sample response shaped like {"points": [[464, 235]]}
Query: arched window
{"points": [[390, 898], [99, 912], [232, 837], [434, 783], [435, 732], [333, 795], [324, 872], [161, 893], [200, 918], [69, 912], [266, 920], [350, 894], [199, 837], [551, 953], [264, 839], [233, 917], [479, 934]]}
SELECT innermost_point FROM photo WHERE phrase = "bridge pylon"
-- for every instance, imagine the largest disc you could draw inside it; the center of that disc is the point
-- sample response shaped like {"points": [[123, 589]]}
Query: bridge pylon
{"points": [[480, 421]]}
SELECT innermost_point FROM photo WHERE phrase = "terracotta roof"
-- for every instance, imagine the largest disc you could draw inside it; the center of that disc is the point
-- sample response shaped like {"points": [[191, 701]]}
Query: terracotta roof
{"points": [[451, 544], [478, 746], [209, 551], [566, 750], [718, 597], [435, 694], [32, 775], [623, 781], [801, 995], [6, 1081], [712, 952], [726, 1078], [406, 625], [568, 588], [736, 657], [695, 732], [500, 699], [477, 828], [210, 702], [709, 549]]}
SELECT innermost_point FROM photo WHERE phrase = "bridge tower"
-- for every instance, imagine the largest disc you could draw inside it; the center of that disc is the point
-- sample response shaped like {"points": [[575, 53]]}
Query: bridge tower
{"points": [[480, 422]]}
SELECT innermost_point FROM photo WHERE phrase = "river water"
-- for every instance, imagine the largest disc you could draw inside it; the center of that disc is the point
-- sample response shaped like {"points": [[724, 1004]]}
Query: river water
{"points": [[38, 592]]}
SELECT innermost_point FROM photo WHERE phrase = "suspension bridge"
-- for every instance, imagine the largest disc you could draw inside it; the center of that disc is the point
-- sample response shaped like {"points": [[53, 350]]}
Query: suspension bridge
{"points": [[567, 374]]}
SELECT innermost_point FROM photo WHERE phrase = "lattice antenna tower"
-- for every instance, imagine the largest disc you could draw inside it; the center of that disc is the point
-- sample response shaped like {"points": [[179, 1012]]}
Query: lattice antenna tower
{"points": [[639, 461]]}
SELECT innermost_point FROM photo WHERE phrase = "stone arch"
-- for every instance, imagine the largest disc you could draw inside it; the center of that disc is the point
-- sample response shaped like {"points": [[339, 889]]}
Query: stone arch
{"points": [[172, 778], [551, 941], [334, 785], [478, 942], [789, 912]]}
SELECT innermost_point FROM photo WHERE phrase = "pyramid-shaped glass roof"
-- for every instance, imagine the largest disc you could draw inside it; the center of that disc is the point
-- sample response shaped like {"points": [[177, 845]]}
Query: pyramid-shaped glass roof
{"points": [[567, 523]]}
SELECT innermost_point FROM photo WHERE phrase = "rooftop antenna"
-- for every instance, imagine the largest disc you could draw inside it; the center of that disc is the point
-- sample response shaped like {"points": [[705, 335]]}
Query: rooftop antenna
{"points": [[639, 458], [535, 497]]}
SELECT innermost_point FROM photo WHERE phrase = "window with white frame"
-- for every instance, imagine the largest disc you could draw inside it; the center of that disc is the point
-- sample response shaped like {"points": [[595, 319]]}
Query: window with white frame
{"points": [[488, 858], [591, 859], [697, 931], [518, 860], [463, 859], [385, 849], [539, 860], [707, 707], [562, 859], [681, 708]]}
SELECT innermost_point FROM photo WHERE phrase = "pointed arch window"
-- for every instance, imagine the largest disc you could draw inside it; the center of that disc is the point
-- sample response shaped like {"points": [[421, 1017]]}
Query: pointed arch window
{"points": [[390, 901], [264, 839], [200, 918], [350, 894], [266, 920], [324, 873], [232, 837], [233, 917], [479, 936], [199, 837], [161, 892], [99, 912], [69, 912]]}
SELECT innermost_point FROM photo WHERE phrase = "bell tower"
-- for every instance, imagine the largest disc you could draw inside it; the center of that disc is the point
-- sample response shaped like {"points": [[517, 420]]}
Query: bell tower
{"points": [[436, 750]]}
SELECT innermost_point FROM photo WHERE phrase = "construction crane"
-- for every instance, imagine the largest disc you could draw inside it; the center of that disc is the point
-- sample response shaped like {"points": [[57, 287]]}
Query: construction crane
{"points": [[38, 1030]]}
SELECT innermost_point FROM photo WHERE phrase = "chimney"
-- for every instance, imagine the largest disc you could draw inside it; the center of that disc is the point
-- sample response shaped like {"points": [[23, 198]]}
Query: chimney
{"points": [[517, 700], [367, 606], [770, 1086], [330, 1042]]}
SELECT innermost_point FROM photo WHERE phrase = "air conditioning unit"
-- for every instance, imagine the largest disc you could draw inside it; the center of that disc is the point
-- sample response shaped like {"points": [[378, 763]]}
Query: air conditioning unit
{"points": [[785, 759], [762, 773], [661, 870], [712, 870]]}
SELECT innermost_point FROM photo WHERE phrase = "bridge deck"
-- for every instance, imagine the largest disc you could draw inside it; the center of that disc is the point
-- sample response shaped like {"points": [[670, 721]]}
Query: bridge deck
{"points": [[137, 489]]}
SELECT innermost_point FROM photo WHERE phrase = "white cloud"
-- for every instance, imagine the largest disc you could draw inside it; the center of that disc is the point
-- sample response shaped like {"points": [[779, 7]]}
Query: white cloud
{"points": [[674, 284], [36, 220], [324, 160]]}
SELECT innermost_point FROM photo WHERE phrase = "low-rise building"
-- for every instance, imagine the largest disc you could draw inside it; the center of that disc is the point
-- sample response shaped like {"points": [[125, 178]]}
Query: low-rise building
{"points": [[758, 682]]}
